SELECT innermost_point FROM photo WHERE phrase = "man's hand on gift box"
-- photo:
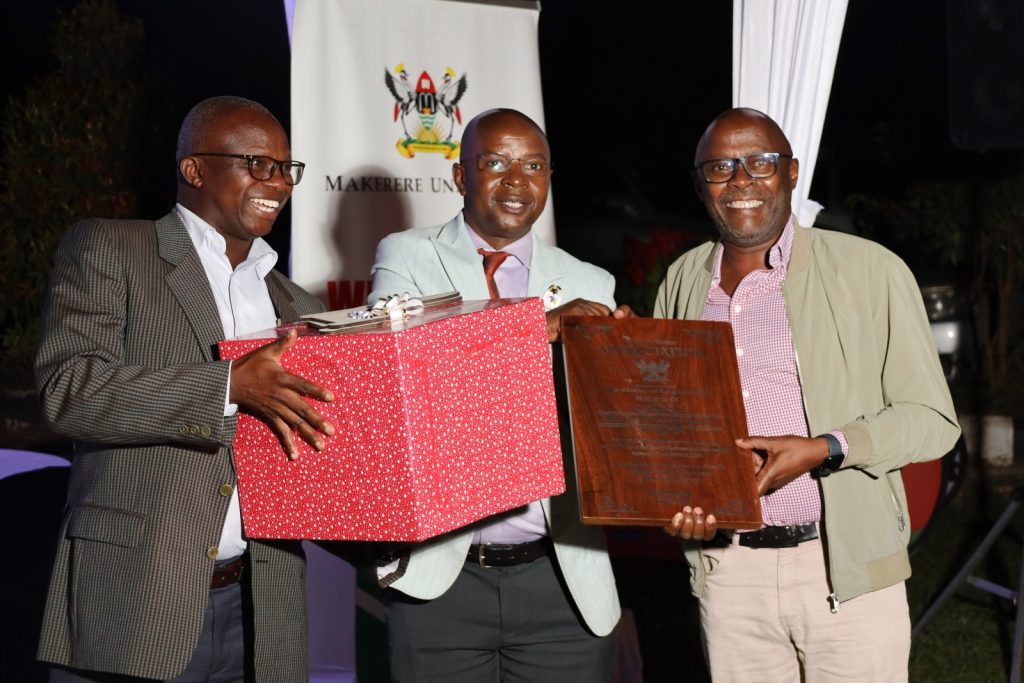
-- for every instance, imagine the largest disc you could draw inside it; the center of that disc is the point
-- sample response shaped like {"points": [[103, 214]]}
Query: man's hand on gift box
{"points": [[262, 387], [580, 307]]}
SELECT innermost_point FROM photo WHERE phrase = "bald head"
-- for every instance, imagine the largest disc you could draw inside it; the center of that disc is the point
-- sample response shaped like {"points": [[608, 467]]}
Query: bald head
{"points": [[743, 117], [205, 116], [487, 122]]}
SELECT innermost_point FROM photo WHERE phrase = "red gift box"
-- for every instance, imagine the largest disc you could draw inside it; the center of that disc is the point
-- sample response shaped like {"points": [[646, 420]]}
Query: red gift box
{"points": [[441, 420]]}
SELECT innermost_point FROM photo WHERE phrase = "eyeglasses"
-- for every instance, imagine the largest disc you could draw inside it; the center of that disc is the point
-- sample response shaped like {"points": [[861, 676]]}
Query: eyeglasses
{"points": [[502, 163], [763, 165], [263, 168]]}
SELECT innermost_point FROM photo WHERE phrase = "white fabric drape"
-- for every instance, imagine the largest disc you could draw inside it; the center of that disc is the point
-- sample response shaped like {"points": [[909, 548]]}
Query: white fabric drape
{"points": [[783, 57]]}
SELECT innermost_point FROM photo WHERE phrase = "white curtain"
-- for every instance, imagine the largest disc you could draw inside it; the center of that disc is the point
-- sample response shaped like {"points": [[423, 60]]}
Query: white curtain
{"points": [[783, 57]]}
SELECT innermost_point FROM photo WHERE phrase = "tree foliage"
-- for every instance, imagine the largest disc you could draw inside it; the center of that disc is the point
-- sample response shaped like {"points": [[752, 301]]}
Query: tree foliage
{"points": [[977, 229], [73, 146]]}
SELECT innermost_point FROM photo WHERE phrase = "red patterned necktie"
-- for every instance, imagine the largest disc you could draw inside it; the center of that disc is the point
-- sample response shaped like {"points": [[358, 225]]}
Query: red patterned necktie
{"points": [[492, 259]]}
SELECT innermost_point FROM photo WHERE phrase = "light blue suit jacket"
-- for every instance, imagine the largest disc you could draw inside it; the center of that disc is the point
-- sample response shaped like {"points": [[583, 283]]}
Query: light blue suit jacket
{"points": [[443, 258]]}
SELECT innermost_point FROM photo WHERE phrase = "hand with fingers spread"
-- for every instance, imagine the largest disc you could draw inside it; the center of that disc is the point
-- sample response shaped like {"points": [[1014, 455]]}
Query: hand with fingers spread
{"points": [[581, 307], [692, 523], [779, 460], [262, 387]]}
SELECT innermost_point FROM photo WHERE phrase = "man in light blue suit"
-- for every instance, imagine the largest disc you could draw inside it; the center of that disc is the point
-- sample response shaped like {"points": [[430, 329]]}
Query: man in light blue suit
{"points": [[527, 595]]}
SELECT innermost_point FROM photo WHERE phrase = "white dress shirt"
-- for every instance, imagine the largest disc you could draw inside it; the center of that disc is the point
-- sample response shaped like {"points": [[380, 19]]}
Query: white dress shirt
{"points": [[244, 306]]}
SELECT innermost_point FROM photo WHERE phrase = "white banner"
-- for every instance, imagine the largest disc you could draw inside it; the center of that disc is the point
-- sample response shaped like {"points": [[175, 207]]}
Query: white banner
{"points": [[381, 92], [783, 58]]}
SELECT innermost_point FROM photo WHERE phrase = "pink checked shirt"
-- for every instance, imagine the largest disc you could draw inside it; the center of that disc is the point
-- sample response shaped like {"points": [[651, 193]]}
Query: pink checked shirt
{"points": [[768, 371]]}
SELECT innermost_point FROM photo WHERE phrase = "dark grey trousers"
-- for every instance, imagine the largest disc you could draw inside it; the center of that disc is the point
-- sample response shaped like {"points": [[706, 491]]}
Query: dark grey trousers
{"points": [[219, 657], [496, 625]]}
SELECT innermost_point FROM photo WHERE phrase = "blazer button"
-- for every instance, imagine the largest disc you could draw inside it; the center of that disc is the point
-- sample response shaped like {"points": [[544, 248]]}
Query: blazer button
{"points": [[205, 430], [183, 429], [194, 429], [211, 552], [225, 490]]}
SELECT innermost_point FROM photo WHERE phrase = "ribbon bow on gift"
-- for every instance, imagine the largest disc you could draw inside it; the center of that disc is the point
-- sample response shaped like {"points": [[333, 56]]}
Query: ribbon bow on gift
{"points": [[396, 308]]}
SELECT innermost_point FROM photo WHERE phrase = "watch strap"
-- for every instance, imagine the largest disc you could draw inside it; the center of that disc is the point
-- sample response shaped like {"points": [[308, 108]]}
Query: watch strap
{"points": [[834, 460]]}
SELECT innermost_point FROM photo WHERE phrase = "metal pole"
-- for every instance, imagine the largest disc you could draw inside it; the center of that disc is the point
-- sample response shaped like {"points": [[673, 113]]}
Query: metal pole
{"points": [[977, 557], [1018, 630]]}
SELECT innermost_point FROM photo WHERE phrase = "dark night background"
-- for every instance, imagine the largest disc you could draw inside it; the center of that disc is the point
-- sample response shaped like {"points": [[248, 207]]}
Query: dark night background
{"points": [[628, 89], [627, 93]]}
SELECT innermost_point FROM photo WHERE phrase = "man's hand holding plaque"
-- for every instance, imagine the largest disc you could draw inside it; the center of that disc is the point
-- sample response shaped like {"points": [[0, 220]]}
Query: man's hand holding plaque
{"points": [[779, 460], [692, 523], [581, 307]]}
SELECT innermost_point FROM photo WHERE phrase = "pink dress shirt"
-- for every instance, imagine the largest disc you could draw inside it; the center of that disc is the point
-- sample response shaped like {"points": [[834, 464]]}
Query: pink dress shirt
{"points": [[769, 377], [523, 524]]}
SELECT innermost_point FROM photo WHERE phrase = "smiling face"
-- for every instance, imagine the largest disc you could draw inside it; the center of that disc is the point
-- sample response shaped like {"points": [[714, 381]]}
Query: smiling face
{"points": [[502, 207], [221, 191], [748, 212]]}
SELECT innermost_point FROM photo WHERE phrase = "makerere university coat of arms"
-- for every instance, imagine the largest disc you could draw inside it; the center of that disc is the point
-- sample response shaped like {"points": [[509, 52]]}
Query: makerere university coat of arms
{"points": [[428, 115]]}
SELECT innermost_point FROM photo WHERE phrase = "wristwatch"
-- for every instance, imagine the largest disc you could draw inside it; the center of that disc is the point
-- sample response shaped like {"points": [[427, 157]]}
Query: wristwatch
{"points": [[834, 459]]}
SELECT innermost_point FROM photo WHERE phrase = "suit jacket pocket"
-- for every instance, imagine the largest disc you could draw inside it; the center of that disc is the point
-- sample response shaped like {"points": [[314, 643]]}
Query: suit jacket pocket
{"points": [[106, 525]]}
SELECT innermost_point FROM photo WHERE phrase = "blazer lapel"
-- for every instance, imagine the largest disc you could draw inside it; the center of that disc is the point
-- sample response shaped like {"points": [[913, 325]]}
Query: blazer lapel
{"points": [[284, 302], [460, 261], [188, 283]]}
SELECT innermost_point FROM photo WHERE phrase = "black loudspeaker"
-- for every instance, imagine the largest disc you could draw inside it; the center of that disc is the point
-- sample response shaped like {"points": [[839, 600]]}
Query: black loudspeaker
{"points": [[986, 73]]}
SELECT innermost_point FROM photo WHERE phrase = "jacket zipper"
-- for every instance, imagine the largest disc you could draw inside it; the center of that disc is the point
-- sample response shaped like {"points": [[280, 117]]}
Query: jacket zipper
{"points": [[833, 598], [901, 521], [834, 601]]}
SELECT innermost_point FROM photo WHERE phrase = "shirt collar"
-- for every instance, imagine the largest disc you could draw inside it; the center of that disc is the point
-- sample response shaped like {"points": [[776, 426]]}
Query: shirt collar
{"points": [[521, 249], [205, 238], [778, 254]]}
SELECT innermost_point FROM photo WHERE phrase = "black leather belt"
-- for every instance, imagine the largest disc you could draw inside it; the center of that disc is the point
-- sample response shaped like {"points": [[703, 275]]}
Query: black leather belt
{"points": [[770, 537], [227, 574], [502, 555]]}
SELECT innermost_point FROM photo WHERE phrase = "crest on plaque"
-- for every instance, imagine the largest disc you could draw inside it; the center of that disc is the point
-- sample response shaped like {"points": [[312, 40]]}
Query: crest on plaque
{"points": [[653, 371]]}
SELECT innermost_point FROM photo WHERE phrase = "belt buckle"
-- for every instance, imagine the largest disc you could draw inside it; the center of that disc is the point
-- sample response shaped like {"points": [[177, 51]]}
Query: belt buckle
{"points": [[480, 556]]}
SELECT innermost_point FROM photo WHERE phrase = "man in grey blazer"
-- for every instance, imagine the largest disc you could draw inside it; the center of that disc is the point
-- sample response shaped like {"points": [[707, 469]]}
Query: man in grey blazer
{"points": [[528, 595], [154, 578]]}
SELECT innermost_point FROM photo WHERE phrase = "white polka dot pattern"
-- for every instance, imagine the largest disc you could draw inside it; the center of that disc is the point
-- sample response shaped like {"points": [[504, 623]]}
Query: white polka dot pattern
{"points": [[439, 422]]}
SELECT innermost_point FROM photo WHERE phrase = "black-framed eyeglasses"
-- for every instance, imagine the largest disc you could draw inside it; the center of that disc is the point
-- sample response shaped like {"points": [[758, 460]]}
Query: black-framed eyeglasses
{"points": [[492, 162], [262, 167], [763, 165]]}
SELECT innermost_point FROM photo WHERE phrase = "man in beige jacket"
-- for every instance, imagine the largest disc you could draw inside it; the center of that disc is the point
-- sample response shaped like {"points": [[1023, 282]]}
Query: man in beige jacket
{"points": [[842, 386]]}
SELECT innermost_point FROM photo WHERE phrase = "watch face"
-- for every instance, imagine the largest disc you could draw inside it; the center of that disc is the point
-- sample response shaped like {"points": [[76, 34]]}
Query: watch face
{"points": [[832, 462]]}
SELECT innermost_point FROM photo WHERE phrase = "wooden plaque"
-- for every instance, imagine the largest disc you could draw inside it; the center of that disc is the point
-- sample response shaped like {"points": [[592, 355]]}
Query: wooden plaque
{"points": [[656, 408]]}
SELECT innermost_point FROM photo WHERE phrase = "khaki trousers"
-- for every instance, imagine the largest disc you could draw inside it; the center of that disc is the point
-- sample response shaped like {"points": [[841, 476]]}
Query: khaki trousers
{"points": [[766, 617]]}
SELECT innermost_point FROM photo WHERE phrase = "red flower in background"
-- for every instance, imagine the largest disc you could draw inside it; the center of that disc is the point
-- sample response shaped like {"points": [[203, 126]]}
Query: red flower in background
{"points": [[647, 260]]}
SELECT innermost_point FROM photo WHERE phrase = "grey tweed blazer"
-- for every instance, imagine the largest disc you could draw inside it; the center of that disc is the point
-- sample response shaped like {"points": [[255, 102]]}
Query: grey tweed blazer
{"points": [[126, 366]]}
